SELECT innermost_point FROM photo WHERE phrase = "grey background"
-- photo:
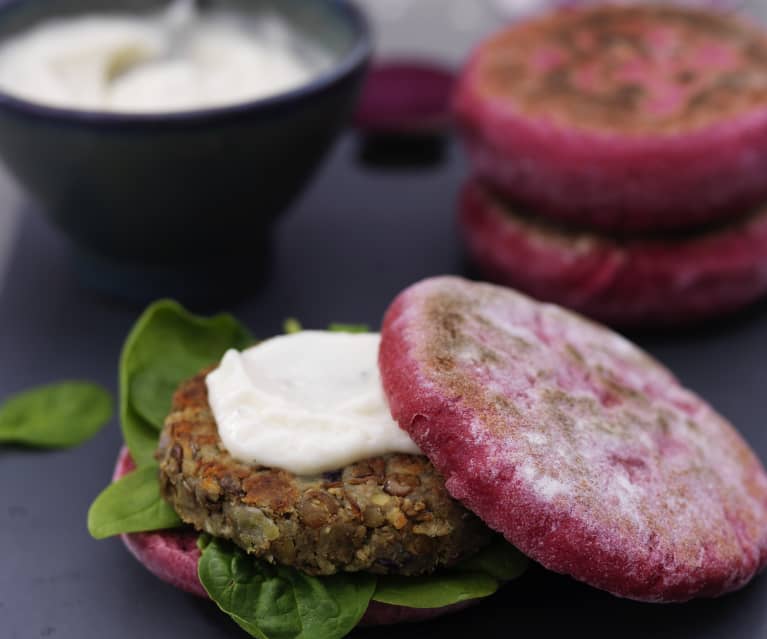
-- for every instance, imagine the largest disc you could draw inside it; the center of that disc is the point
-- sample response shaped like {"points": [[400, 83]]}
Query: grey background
{"points": [[356, 238]]}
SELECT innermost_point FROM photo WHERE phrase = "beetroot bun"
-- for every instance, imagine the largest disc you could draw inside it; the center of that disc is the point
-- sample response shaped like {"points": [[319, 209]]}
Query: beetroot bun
{"points": [[659, 281], [172, 555], [621, 118], [586, 453]]}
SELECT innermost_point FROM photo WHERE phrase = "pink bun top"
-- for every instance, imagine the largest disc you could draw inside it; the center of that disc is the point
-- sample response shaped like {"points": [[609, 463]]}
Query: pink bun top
{"points": [[587, 454], [628, 69]]}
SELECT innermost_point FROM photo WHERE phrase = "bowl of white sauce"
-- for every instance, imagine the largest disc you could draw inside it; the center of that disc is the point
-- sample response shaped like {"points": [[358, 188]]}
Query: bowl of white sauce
{"points": [[165, 137]]}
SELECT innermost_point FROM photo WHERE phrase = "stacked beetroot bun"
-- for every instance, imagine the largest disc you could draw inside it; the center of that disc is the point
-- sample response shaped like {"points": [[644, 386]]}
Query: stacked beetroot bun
{"points": [[619, 155]]}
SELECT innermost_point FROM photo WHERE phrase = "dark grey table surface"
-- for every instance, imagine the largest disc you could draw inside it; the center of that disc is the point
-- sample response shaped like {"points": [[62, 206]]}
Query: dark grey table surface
{"points": [[356, 238]]}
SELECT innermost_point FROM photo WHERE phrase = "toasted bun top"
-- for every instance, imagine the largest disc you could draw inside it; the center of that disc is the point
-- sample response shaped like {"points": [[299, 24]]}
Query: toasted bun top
{"points": [[629, 69], [586, 453]]}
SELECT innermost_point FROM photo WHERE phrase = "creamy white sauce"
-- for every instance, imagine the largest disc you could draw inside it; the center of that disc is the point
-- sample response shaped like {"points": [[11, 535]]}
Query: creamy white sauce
{"points": [[176, 60], [308, 402]]}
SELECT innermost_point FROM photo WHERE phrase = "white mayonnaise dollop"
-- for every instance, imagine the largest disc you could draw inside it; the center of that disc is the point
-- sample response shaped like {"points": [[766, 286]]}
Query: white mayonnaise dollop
{"points": [[177, 60], [307, 402]]}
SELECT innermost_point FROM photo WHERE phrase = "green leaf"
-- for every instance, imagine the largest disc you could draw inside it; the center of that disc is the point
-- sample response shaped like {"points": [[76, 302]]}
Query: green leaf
{"points": [[478, 576], [141, 440], [55, 416], [275, 602], [203, 540], [291, 325], [336, 327], [433, 591], [499, 559], [166, 346], [151, 391], [132, 504]]}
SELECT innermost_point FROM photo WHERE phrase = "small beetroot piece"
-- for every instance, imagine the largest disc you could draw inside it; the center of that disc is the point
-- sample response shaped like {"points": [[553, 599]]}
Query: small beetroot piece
{"points": [[172, 555], [587, 454], [623, 118], [675, 280], [406, 97]]}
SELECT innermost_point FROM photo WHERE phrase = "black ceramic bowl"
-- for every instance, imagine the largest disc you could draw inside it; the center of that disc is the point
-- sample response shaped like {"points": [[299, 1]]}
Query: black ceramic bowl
{"points": [[177, 203]]}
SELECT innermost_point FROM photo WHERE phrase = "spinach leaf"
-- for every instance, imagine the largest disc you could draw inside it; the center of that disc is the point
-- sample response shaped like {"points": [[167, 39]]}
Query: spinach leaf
{"points": [[132, 504], [275, 602], [56, 415], [291, 325], [151, 391], [337, 327], [499, 559], [478, 576], [433, 591], [167, 345]]}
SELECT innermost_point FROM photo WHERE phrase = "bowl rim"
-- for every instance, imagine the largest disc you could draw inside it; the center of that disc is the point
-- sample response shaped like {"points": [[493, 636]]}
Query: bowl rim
{"points": [[355, 59]]}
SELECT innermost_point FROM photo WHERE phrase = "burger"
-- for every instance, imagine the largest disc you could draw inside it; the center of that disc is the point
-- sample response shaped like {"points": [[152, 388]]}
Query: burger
{"points": [[520, 430]]}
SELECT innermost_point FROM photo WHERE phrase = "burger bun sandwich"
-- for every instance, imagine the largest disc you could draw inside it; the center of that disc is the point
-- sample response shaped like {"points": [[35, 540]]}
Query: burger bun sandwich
{"points": [[522, 430]]}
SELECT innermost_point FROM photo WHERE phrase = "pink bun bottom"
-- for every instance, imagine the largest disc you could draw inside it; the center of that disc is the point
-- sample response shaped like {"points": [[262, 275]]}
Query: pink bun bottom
{"points": [[635, 283]]}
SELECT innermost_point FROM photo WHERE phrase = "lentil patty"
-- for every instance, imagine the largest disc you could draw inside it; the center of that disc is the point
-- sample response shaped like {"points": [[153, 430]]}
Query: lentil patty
{"points": [[385, 515]]}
